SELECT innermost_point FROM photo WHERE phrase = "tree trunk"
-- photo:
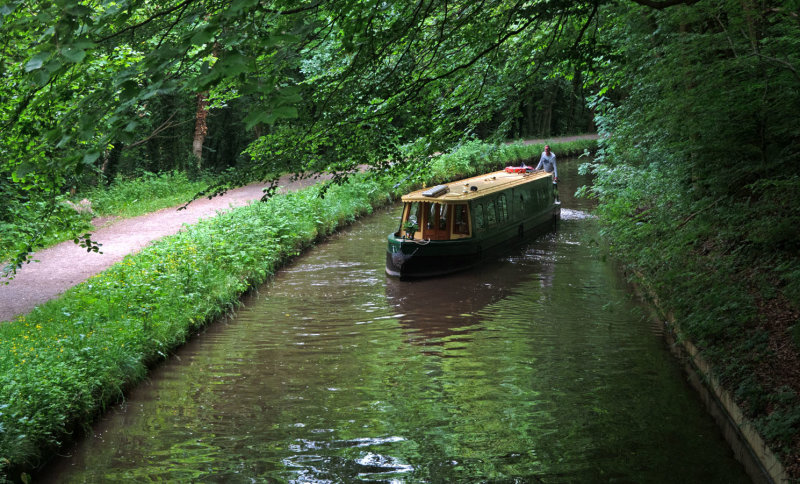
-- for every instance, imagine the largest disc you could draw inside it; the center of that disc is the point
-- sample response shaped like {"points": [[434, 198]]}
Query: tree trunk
{"points": [[200, 127], [529, 117]]}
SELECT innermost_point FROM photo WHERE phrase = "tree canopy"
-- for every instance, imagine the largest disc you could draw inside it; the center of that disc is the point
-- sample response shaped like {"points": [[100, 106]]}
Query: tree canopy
{"points": [[329, 85], [319, 85]]}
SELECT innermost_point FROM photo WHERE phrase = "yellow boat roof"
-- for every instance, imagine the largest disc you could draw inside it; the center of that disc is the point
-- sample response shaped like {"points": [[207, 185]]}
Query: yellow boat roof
{"points": [[462, 191]]}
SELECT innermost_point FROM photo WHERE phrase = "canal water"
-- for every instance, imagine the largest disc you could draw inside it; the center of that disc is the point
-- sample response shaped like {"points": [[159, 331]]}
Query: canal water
{"points": [[536, 367]]}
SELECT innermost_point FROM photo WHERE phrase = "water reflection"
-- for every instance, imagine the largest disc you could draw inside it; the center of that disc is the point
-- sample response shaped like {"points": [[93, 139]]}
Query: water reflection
{"points": [[438, 311], [570, 214]]}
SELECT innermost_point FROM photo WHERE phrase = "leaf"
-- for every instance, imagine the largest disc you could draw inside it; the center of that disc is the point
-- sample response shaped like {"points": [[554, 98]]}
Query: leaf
{"points": [[63, 141], [37, 61], [256, 117], [239, 5], [289, 94], [203, 36], [78, 10], [232, 64], [90, 157], [285, 112], [24, 169], [84, 44], [53, 65], [42, 77], [8, 8], [47, 33], [129, 89], [73, 55]]}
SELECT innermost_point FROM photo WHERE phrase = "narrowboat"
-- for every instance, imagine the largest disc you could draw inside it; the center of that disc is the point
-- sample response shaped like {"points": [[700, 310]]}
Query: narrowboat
{"points": [[450, 227]]}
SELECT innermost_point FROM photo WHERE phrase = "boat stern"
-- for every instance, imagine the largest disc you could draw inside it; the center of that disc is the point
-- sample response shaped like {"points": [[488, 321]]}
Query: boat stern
{"points": [[398, 253]]}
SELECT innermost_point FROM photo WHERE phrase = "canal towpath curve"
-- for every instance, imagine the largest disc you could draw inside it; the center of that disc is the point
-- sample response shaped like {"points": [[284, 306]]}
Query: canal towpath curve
{"points": [[65, 265]]}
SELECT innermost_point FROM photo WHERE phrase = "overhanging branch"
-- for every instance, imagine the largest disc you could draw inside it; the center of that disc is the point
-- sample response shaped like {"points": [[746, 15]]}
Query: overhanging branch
{"points": [[664, 3]]}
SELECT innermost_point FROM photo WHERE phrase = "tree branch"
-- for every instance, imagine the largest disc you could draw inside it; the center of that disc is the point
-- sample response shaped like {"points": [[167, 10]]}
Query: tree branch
{"points": [[147, 21], [165, 125], [664, 3]]}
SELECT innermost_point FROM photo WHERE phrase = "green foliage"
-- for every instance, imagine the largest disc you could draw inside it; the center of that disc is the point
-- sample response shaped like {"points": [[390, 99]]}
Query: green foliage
{"points": [[697, 178], [91, 91], [129, 197], [783, 424]]}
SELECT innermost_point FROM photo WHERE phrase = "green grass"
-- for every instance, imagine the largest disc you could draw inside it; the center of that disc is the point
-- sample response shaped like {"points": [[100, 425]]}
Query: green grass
{"points": [[66, 361], [130, 197], [476, 157]]}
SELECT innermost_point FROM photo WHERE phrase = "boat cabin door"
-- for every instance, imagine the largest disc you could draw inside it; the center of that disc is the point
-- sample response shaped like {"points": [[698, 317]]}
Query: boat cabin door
{"points": [[436, 223]]}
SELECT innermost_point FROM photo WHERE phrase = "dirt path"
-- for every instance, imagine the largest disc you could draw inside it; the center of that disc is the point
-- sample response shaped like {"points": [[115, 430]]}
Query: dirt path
{"points": [[66, 264]]}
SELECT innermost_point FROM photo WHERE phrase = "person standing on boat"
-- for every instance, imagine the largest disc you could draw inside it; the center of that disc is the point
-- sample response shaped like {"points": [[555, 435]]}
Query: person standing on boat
{"points": [[548, 162]]}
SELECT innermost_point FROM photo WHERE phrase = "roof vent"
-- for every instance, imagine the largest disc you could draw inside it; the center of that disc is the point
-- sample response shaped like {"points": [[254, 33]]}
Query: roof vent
{"points": [[436, 191]]}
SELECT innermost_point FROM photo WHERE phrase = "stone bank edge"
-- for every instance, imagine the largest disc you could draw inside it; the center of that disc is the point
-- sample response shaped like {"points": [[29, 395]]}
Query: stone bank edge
{"points": [[759, 461]]}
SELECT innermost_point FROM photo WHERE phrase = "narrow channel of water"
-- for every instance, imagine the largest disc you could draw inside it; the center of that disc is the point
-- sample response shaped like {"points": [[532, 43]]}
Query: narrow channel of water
{"points": [[538, 367]]}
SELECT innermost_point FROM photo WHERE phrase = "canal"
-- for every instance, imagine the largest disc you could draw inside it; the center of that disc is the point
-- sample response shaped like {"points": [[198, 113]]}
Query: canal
{"points": [[537, 367]]}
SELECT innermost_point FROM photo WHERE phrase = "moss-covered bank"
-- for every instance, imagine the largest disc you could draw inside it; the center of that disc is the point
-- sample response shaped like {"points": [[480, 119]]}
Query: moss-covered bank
{"points": [[68, 360]]}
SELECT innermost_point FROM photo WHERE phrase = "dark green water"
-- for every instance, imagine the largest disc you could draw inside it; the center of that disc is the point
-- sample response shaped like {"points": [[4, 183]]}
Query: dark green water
{"points": [[538, 367]]}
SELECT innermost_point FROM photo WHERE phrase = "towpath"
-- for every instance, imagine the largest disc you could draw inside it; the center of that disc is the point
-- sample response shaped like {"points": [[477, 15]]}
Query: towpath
{"points": [[65, 265]]}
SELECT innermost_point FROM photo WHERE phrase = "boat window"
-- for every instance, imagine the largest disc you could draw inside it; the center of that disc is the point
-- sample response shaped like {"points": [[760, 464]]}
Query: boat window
{"points": [[480, 221], [502, 208], [524, 198], [460, 220], [411, 217], [491, 214], [430, 215], [442, 215], [414, 213]]}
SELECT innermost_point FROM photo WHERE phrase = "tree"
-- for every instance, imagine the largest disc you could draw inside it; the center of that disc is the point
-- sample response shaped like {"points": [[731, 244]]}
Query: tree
{"points": [[331, 84]]}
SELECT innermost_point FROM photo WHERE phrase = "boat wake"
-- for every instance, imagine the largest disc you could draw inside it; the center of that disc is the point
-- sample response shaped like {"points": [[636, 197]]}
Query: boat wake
{"points": [[569, 214]]}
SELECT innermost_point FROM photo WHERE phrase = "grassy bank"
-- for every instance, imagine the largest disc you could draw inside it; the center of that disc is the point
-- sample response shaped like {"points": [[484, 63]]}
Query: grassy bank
{"points": [[65, 362], [131, 197]]}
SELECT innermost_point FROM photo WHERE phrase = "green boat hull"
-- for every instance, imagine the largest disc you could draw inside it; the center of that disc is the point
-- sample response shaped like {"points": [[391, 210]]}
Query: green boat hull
{"points": [[410, 259]]}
